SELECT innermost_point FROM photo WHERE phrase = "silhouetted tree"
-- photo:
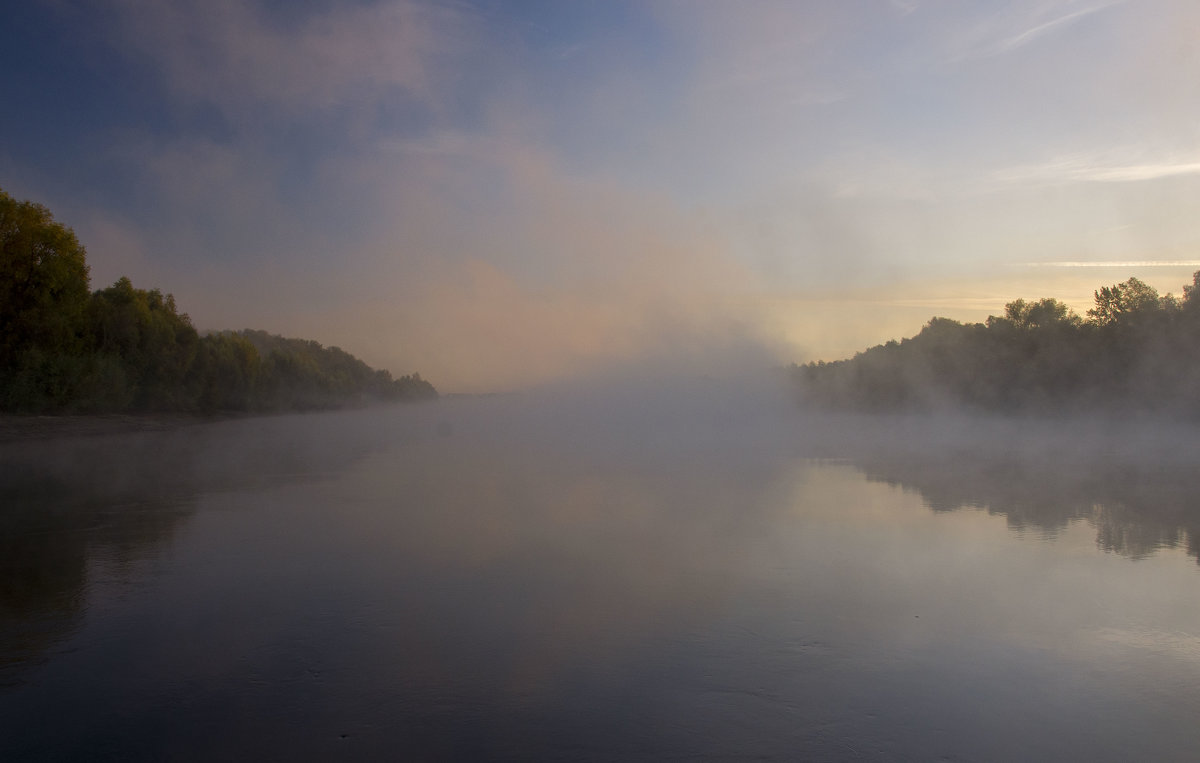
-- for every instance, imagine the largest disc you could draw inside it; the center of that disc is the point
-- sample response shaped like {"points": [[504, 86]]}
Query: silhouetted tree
{"points": [[1137, 351], [1032, 315], [1120, 301]]}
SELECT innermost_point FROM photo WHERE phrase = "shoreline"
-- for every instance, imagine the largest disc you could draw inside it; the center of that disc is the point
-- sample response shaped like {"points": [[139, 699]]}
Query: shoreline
{"points": [[18, 427], [15, 428]]}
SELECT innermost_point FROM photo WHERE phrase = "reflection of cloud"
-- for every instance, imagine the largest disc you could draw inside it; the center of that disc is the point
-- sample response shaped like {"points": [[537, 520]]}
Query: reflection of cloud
{"points": [[1174, 643], [597, 542]]}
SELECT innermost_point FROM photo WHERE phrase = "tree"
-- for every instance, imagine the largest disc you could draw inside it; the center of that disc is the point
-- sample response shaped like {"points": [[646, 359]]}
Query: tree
{"points": [[43, 284], [1043, 313], [124, 348], [1136, 353], [1117, 303], [226, 373], [1191, 294], [155, 343]]}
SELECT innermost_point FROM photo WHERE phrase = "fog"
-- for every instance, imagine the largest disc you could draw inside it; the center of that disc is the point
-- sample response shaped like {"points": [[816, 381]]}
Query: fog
{"points": [[645, 564]]}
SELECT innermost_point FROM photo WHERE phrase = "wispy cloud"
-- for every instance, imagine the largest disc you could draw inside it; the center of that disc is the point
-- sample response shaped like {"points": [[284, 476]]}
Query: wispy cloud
{"points": [[1039, 30], [1115, 264], [905, 7], [1017, 28], [1081, 168], [1136, 172], [230, 54]]}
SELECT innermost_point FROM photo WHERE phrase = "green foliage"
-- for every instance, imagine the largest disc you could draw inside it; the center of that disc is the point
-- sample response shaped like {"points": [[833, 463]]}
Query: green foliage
{"points": [[43, 282], [43, 294], [301, 374], [155, 344], [1136, 351], [123, 348], [226, 373]]}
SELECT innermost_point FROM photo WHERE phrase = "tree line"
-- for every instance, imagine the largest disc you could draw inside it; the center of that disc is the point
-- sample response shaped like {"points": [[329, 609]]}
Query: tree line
{"points": [[1134, 352], [65, 348]]}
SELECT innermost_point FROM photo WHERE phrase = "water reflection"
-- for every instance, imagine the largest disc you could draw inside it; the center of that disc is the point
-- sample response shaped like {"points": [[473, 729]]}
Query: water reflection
{"points": [[56, 524], [75, 509], [1138, 502], [533, 581]]}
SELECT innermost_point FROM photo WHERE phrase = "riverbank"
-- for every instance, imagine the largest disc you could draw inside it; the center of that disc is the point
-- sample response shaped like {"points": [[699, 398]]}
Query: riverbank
{"points": [[18, 428]]}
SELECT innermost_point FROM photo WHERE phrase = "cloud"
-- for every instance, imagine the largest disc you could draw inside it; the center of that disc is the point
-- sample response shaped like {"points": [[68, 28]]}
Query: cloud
{"points": [[1017, 26], [432, 191], [233, 54], [1116, 264], [905, 7], [1086, 168], [481, 261], [569, 276], [480, 329], [1138, 172], [758, 85], [1041, 29]]}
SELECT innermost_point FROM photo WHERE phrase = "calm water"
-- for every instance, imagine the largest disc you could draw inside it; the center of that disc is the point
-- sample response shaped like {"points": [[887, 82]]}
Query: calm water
{"points": [[643, 577]]}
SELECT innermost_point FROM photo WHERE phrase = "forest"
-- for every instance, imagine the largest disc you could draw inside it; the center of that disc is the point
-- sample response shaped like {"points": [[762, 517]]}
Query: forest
{"points": [[1135, 352], [67, 349]]}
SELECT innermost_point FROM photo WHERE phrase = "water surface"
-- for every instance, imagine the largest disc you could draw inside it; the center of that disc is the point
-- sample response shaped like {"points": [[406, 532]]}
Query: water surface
{"points": [[641, 578]]}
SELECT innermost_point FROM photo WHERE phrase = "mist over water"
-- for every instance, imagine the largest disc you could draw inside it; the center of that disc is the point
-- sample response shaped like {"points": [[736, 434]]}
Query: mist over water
{"points": [[656, 566]]}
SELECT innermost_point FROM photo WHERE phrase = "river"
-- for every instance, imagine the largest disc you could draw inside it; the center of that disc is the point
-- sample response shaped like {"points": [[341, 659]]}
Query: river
{"points": [[611, 576]]}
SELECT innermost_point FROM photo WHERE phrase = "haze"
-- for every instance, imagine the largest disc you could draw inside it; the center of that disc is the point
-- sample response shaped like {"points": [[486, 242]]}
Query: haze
{"points": [[503, 195]]}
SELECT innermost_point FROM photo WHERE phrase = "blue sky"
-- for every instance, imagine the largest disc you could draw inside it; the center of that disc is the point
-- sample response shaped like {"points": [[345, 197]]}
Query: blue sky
{"points": [[501, 194]]}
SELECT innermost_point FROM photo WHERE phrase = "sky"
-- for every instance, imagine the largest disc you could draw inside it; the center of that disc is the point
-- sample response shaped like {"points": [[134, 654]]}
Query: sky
{"points": [[504, 194]]}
